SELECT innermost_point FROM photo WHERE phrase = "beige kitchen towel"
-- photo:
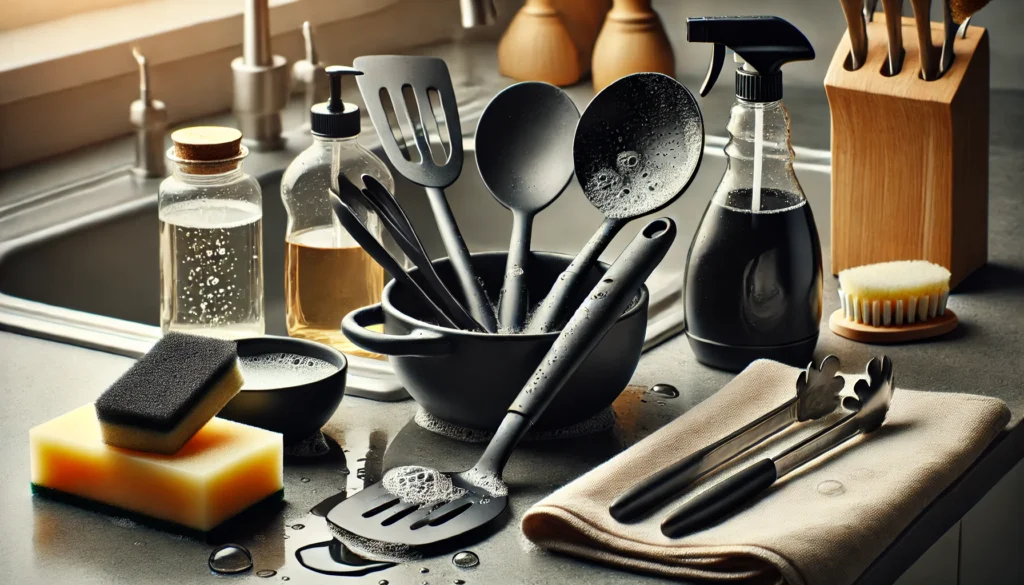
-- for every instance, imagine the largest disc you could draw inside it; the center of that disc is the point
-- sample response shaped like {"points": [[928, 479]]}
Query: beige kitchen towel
{"points": [[822, 524]]}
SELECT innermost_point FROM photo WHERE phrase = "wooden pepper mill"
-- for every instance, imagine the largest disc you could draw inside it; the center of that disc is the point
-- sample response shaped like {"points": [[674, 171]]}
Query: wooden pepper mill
{"points": [[631, 40], [537, 46], [910, 157]]}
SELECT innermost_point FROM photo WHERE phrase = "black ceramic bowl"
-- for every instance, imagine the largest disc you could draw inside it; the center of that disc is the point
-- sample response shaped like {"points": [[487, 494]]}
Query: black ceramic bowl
{"points": [[295, 411], [470, 378]]}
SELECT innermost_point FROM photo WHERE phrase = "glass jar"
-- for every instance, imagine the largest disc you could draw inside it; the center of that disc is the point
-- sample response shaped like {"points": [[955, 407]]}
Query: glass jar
{"points": [[211, 238]]}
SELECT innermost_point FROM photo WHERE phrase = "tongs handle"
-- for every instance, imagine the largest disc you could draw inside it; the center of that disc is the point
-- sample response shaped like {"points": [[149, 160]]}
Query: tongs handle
{"points": [[658, 489], [720, 500]]}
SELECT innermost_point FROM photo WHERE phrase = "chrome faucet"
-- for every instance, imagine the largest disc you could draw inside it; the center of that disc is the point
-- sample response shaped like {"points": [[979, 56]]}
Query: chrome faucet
{"points": [[261, 82], [309, 73], [477, 12], [149, 117]]}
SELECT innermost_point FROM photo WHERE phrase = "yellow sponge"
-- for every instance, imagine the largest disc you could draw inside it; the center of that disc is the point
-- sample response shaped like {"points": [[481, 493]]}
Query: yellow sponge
{"points": [[894, 293], [225, 468]]}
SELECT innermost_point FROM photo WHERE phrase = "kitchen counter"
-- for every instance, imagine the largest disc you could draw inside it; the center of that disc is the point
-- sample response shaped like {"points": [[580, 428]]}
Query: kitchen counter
{"points": [[45, 542]]}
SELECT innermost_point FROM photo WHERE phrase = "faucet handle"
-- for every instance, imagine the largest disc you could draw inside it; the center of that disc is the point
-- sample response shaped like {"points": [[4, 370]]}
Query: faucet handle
{"points": [[477, 13], [309, 73]]}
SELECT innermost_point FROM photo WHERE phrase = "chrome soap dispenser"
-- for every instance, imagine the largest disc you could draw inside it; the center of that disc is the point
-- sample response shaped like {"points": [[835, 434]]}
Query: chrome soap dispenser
{"points": [[753, 276], [327, 274]]}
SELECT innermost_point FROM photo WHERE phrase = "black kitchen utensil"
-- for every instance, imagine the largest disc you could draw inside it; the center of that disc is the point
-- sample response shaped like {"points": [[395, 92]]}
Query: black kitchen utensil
{"points": [[398, 225], [405, 85], [723, 499], [377, 514], [637, 147], [297, 410], [444, 369], [817, 395], [346, 201], [524, 155]]}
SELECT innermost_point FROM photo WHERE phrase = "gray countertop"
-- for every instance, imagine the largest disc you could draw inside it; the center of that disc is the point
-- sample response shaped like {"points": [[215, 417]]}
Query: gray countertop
{"points": [[44, 542]]}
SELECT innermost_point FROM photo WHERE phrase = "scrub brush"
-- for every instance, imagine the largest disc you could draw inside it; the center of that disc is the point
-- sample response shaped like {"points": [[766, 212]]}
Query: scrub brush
{"points": [[891, 299]]}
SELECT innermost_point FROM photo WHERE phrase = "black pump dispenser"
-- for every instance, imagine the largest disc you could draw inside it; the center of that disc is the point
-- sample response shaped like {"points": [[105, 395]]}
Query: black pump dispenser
{"points": [[335, 118], [765, 43]]}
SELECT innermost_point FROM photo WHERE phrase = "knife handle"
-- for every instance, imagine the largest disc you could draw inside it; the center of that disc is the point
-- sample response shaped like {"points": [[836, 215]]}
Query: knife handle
{"points": [[720, 501]]}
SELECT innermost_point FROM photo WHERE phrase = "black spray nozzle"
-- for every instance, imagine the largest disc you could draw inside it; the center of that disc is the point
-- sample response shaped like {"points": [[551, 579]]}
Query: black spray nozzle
{"points": [[335, 118], [765, 43]]}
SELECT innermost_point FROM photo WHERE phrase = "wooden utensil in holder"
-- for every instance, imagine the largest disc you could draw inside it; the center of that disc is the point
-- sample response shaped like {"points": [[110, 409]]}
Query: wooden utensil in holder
{"points": [[910, 157]]}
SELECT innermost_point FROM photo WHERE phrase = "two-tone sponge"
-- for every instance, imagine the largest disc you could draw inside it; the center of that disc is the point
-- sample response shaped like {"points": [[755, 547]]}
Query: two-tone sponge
{"points": [[894, 293], [169, 394]]}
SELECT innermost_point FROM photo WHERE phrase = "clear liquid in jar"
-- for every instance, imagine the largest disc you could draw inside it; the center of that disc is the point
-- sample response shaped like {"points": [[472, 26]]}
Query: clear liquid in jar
{"points": [[211, 268], [328, 275]]}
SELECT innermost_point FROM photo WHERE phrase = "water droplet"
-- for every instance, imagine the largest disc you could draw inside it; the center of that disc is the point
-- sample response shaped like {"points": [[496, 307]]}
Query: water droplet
{"points": [[831, 487], [304, 479], [459, 582], [382, 582], [666, 390], [139, 543], [266, 573], [465, 559], [298, 526], [424, 570], [229, 559], [286, 578]]}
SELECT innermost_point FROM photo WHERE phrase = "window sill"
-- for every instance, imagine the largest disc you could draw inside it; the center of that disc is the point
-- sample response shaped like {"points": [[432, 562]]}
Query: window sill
{"points": [[63, 86], [65, 53]]}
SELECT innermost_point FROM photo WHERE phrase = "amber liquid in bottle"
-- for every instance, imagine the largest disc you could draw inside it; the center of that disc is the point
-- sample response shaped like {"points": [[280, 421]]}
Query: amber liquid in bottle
{"points": [[324, 281]]}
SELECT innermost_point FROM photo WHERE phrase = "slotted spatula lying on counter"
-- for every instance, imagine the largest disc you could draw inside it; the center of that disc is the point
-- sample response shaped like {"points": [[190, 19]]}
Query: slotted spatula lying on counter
{"points": [[477, 496]]}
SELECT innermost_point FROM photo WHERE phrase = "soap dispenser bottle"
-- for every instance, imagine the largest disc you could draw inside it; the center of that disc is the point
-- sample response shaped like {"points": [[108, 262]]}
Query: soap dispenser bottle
{"points": [[753, 285], [327, 274]]}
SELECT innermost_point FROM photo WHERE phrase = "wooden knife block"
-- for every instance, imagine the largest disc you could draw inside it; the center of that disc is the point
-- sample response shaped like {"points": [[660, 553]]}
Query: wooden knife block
{"points": [[910, 157]]}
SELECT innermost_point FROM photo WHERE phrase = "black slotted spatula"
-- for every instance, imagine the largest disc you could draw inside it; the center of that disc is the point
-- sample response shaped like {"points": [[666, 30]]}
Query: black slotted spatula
{"points": [[377, 514], [404, 85]]}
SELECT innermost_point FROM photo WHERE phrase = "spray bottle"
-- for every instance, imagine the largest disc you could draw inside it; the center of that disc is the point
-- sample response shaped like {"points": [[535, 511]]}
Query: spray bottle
{"points": [[753, 276]]}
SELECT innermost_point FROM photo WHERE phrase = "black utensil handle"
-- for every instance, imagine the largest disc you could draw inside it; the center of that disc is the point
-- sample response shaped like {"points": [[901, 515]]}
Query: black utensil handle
{"points": [[595, 317], [654, 491], [405, 236], [512, 304], [720, 501], [554, 309], [458, 254], [421, 343], [365, 239]]}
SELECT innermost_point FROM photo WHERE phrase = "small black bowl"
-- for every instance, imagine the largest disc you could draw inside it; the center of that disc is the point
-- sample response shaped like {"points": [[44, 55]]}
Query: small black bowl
{"points": [[294, 411]]}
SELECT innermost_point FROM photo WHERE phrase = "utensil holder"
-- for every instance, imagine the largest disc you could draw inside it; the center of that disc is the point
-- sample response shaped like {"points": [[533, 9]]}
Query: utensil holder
{"points": [[910, 157]]}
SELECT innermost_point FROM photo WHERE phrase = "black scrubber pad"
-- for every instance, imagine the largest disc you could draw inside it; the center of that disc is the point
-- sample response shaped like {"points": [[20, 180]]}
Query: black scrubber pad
{"points": [[162, 400]]}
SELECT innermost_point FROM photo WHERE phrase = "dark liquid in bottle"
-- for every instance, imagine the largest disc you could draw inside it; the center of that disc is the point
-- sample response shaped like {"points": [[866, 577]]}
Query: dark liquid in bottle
{"points": [[754, 279]]}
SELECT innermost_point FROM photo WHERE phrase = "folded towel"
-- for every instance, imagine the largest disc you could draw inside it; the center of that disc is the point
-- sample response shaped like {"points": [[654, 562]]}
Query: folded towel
{"points": [[822, 524]]}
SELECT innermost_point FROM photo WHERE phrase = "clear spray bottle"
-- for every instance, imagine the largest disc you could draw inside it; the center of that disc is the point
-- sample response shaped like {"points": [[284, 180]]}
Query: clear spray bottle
{"points": [[753, 277]]}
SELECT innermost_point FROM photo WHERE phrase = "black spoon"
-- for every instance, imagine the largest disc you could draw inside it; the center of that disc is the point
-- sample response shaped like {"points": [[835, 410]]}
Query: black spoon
{"points": [[638, 146], [376, 513], [524, 154]]}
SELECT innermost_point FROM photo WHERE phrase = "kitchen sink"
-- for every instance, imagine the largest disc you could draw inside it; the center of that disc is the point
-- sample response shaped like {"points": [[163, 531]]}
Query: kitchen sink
{"points": [[79, 264]]}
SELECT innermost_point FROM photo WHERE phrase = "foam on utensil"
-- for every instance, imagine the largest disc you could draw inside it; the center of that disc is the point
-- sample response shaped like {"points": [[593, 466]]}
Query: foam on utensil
{"points": [[414, 484], [281, 370], [490, 483], [602, 421]]}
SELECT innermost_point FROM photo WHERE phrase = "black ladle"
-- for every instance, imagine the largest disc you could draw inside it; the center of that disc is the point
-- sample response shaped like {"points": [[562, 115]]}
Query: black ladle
{"points": [[638, 146], [377, 514], [524, 154]]}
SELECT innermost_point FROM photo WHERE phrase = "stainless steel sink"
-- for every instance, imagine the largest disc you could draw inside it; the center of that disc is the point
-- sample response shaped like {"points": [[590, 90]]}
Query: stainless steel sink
{"points": [[79, 264]]}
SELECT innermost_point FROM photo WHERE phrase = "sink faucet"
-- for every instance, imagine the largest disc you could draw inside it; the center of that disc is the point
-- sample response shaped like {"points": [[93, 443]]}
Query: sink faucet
{"points": [[261, 82], [477, 12], [149, 117]]}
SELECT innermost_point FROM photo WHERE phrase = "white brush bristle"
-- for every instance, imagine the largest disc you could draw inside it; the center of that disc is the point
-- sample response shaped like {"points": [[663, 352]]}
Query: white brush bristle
{"points": [[894, 293]]}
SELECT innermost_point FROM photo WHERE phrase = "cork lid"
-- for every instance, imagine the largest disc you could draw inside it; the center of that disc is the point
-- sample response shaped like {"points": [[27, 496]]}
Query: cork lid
{"points": [[207, 149]]}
